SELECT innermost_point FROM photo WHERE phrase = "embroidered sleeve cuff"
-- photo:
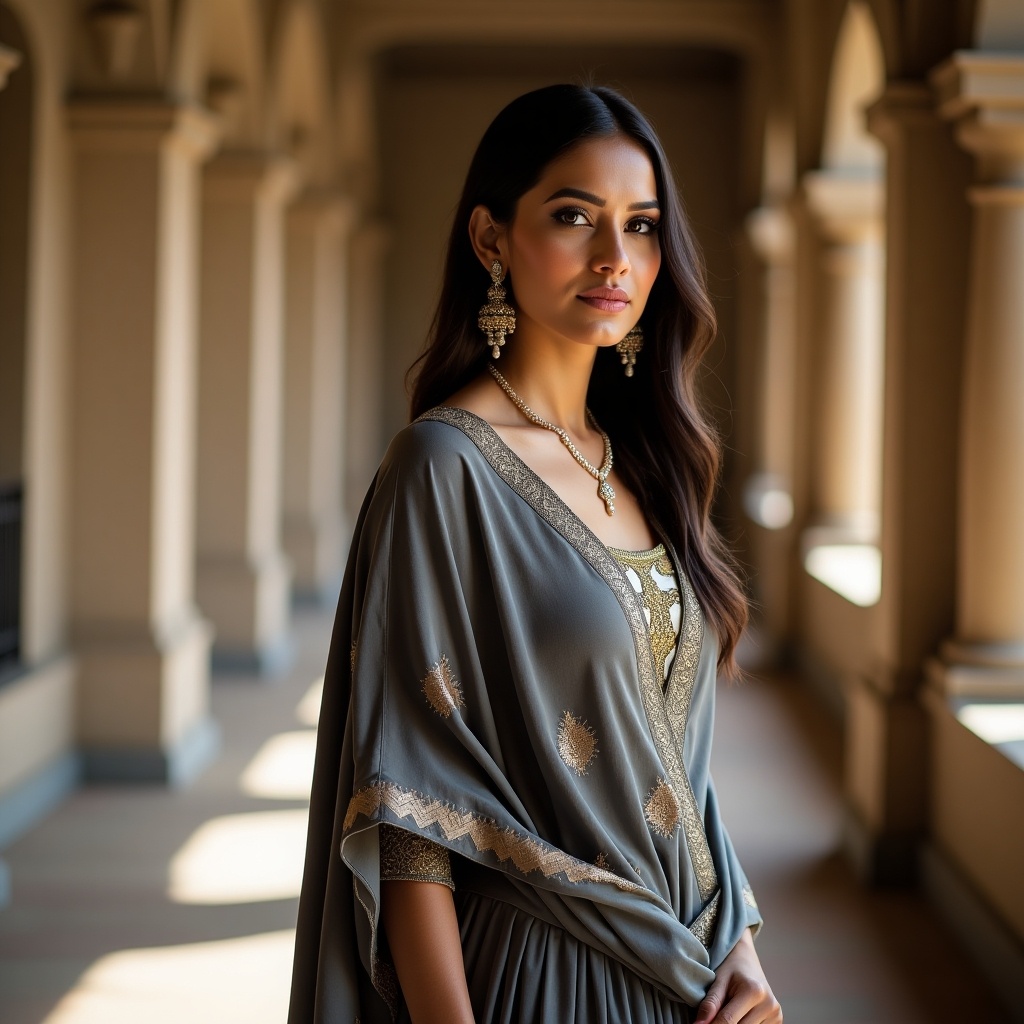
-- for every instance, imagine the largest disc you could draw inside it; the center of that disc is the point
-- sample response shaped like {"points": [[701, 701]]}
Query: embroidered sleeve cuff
{"points": [[754, 918], [407, 856]]}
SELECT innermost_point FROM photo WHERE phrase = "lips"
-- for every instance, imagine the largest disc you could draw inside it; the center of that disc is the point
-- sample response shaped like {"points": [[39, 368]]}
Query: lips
{"points": [[611, 300]]}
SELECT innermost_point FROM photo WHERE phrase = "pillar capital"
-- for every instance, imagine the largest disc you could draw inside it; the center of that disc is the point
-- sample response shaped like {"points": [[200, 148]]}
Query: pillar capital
{"points": [[148, 124], [848, 208], [983, 94], [902, 105], [771, 234], [9, 60]]}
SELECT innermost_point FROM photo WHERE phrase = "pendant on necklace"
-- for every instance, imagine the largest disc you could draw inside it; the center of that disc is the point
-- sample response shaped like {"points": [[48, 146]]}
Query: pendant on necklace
{"points": [[607, 494]]}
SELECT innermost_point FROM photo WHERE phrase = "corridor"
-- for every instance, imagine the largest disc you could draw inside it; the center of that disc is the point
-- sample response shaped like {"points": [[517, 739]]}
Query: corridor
{"points": [[135, 905]]}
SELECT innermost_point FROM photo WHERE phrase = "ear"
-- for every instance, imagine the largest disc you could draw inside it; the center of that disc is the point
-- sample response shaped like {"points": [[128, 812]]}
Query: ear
{"points": [[488, 237]]}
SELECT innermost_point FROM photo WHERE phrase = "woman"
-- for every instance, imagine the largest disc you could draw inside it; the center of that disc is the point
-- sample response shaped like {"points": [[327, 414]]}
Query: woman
{"points": [[512, 817]]}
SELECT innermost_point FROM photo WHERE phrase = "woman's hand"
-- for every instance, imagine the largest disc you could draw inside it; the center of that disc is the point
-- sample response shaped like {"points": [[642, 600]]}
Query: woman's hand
{"points": [[740, 991]]}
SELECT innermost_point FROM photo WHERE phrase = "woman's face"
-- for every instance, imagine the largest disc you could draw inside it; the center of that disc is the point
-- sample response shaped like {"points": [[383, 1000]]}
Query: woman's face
{"points": [[582, 247]]}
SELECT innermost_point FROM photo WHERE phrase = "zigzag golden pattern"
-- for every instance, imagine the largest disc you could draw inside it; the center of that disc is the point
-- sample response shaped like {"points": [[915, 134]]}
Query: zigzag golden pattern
{"points": [[525, 853]]}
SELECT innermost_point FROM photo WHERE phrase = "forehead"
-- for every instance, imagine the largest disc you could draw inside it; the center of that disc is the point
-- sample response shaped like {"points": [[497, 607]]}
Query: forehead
{"points": [[610, 167]]}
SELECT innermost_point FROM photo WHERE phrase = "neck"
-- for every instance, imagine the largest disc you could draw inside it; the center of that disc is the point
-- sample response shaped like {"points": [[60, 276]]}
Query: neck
{"points": [[552, 379]]}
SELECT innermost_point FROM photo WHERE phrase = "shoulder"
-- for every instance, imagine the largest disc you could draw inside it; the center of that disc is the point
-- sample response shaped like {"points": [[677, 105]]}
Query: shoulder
{"points": [[440, 443]]}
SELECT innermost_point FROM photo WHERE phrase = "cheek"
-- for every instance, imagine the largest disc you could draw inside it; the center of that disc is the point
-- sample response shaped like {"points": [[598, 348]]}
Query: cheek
{"points": [[647, 266], [544, 259]]}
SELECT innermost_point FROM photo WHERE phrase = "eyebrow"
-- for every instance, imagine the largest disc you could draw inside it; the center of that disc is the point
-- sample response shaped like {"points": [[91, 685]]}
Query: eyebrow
{"points": [[589, 197]]}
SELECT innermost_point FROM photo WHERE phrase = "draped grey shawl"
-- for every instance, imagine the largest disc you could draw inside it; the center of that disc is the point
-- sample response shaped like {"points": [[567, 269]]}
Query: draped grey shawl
{"points": [[491, 687]]}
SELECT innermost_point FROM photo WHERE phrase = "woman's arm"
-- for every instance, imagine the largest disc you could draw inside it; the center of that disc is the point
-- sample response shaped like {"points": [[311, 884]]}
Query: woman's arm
{"points": [[423, 935], [740, 990]]}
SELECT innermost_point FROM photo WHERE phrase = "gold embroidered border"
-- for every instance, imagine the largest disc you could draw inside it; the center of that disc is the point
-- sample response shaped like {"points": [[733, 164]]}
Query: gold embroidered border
{"points": [[526, 853], [678, 695], [550, 506], [703, 925]]}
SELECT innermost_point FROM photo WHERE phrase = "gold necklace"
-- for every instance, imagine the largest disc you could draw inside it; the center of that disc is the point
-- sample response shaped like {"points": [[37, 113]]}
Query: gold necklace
{"points": [[605, 490]]}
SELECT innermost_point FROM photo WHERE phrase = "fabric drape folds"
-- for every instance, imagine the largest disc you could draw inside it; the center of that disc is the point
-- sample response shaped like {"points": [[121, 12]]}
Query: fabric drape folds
{"points": [[491, 687]]}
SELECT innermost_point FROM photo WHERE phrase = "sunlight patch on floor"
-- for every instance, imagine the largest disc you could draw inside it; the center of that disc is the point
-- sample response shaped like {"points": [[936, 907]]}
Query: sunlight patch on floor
{"points": [[308, 710], [994, 723], [852, 570], [241, 858], [282, 768], [245, 979]]}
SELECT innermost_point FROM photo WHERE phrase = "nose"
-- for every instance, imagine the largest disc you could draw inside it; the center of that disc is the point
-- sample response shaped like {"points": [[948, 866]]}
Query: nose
{"points": [[610, 256]]}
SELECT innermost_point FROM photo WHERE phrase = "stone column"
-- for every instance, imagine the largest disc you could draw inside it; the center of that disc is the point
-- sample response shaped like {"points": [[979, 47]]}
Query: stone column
{"points": [[768, 493], [983, 94], [364, 428], [848, 212], [243, 575], [141, 646], [886, 767], [315, 531]]}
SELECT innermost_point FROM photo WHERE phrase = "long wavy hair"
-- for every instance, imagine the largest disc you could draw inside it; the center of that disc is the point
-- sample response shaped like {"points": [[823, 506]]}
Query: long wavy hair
{"points": [[667, 452]]}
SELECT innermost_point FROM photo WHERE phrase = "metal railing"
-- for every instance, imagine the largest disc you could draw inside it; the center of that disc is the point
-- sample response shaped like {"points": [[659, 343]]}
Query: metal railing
{"points": [[11, 505]]}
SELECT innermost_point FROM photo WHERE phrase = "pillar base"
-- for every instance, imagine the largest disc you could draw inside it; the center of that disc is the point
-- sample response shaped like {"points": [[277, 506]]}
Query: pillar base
{"points": [[176, 765], [25, 804], [317, 553], [249, 604], [143, 692], [882, 859], [885, 779]]}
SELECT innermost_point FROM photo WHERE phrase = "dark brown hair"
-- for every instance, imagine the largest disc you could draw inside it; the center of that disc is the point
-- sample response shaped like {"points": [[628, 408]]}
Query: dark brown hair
{"points": [[667, 453]]}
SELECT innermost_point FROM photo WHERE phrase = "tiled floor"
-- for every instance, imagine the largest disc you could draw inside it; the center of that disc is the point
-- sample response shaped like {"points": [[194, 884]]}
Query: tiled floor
{"points": [[153, 907]]}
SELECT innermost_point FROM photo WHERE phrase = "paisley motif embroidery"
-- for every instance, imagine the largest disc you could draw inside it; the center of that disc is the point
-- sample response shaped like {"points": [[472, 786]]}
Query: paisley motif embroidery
{"points": [[662, 809], [577, 743], [442, 690]]}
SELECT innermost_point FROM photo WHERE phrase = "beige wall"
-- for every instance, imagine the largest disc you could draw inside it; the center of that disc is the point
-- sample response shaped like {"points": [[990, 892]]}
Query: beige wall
{"points": [[36, 711]]}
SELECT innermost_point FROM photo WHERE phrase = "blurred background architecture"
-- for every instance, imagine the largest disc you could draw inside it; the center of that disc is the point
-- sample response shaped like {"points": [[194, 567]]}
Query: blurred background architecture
{"points": [[220, 233]]}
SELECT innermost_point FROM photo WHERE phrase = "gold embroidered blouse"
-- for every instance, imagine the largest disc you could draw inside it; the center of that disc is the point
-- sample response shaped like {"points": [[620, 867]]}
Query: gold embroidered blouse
{"points": [[409, 856], [653, 577]]}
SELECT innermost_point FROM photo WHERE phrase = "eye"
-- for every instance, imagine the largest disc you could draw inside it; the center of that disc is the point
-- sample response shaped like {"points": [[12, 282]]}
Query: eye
{"points": [[642, 226], [571, 216]]}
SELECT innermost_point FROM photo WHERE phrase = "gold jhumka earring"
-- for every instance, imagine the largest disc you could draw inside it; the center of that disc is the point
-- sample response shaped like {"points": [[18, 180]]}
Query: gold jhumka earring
{"points": [[628, 348], [497, 318]]}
